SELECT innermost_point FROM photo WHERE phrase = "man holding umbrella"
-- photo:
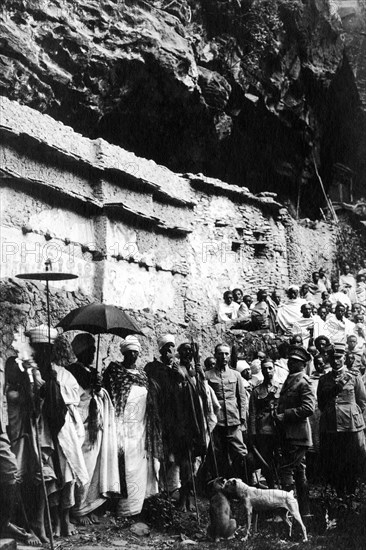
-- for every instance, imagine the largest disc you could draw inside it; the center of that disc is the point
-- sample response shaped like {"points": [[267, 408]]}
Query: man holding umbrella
{"points": [[100, 444]]}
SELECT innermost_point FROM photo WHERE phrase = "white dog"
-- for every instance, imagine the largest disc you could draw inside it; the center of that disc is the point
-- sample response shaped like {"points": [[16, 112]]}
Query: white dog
{"points": [[264, 499]]}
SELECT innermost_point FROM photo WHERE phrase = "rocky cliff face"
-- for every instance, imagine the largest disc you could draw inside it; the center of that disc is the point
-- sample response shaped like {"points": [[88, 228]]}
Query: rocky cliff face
{"points": [[237, 89], [353, 17]]}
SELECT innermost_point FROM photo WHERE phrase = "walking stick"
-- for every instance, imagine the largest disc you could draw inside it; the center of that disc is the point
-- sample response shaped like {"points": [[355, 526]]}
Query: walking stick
{"points": [[194, 487], [39, 449], [48, 513], [225, 411], [196, 357], [167, 487]]}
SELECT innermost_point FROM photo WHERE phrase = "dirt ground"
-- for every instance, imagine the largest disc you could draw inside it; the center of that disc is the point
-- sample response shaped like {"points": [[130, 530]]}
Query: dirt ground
{"points": [[336, 524]]}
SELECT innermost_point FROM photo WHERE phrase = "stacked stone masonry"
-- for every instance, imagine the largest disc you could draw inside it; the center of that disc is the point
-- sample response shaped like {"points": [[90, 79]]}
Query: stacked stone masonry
{"points": [[161, 245]]}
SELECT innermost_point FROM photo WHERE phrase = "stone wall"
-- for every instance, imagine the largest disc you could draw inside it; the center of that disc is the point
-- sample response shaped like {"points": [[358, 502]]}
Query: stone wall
{"points": [[238, 90], [162, 246]]}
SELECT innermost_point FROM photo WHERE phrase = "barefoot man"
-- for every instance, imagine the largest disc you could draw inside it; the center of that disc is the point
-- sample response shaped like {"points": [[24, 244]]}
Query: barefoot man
{"points": [[100, 444], [61, 399]]}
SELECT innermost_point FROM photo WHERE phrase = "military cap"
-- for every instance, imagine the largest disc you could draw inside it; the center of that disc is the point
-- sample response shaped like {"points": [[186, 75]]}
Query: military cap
{"points": [[299, 353], [339, 349]]}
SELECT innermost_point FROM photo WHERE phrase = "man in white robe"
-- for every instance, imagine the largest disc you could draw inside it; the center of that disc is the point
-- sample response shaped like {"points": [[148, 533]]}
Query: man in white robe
{"points": [[339, 297], [136, 416], [289, 313], [347, 283], [100, 444], [69, 435], [337, 327]]}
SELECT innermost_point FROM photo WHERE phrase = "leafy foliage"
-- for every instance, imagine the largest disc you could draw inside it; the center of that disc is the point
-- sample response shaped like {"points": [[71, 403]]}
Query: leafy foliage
{"points": [[351, 247]]}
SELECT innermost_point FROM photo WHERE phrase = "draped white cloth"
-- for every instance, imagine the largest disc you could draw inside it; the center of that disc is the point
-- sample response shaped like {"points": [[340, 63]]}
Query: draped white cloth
{"points": [[101, 458], [281, 371], [141, 471], [340, 297], [348, 284], [318, 326], [72, 434], [361, 293], [338, 330], [226, 313], [289, 315]]}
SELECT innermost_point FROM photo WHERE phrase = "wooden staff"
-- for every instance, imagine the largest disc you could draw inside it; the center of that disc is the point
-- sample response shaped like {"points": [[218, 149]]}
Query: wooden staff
{"points": [[194, 487], [39, 449], [196, 358]]}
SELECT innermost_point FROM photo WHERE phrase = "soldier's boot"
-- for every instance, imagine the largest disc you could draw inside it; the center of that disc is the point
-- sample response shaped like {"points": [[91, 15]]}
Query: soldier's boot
{"points": [[302, 489]]}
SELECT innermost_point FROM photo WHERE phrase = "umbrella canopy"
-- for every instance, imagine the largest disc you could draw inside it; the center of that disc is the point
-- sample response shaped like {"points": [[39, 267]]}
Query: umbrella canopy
{"points": [[100, 318]]}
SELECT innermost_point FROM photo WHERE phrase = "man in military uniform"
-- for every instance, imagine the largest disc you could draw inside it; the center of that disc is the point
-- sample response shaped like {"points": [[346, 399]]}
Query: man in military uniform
{"points": [[227, 435], [262, 430], [342, 402], [296, 403]]}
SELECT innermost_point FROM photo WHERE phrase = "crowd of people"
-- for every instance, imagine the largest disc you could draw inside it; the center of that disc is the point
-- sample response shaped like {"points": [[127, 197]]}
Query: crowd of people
{"points": [[73, 440], [335, 309]]}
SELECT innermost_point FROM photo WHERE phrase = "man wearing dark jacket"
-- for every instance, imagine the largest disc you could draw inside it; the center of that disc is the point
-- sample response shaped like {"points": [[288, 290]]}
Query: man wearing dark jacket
{"points": [[262, 431], [296, 403]]}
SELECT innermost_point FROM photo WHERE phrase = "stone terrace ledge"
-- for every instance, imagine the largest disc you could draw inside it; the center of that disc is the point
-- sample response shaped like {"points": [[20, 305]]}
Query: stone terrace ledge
{"points": [[32, 127]]}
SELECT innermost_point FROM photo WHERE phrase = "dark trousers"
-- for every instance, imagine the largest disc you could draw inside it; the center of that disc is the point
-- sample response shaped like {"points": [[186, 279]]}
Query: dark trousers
{"points": [[267, 446], [292, 466], [343, 459], [230, 451]]}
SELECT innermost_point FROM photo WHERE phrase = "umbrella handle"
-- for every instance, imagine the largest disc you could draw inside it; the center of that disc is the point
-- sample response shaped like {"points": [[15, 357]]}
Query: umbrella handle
{"points": [[97, 359], [48, 266]]}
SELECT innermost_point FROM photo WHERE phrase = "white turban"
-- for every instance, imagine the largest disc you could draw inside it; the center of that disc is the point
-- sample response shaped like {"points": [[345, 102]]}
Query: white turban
{"points": [[130, 343], [242, 365], [293, 287], [39, 335], [165, 339]]}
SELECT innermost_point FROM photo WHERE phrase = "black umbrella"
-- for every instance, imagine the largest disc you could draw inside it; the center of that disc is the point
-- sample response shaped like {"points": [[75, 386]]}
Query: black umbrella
{"points": [[100, 319]]}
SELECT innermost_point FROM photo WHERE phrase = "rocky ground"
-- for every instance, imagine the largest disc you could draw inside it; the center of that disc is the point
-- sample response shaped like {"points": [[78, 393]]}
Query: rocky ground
{"points": [[335, 525]]}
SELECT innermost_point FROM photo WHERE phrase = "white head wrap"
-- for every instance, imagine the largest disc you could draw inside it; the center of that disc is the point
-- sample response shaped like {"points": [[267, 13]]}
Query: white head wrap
{"points": [[293, 287], [165, 339], [39, 335], [130, 343], [242, 365]]}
